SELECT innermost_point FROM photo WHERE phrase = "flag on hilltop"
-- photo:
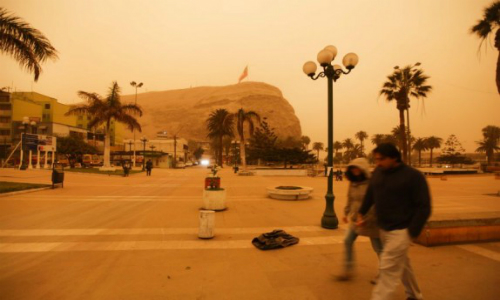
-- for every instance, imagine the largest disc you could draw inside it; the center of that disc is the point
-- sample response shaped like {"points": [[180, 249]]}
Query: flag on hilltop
{"points": [[244, 74]]}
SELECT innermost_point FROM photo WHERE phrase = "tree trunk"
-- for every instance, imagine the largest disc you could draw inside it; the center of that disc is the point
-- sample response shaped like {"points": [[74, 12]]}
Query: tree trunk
{"points": [[408, 137], [402, 134], [107, 156], [497, 45], [419, 158], [318, 156], [431, 157], [221, 149], [242, 154]]}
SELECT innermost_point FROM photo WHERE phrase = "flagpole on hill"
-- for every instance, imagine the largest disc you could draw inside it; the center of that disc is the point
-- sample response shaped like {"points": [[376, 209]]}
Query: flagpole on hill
{"points": [[244, 74]]}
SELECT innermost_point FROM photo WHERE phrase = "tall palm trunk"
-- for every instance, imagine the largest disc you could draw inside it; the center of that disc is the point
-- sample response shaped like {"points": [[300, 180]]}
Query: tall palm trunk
{"points": [[431, 156], [220, 151], [489, 157], [419, 158], [242, 154], [402, 134], [498, 71], [107, 163], [497, 45], [408, 136]]}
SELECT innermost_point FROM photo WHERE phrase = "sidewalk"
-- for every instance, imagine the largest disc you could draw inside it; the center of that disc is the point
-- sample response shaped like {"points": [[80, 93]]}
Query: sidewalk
{"points": [[106, 237]]}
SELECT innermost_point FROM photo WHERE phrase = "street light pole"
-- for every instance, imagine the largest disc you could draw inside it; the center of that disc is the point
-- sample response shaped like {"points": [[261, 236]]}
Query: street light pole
{"points": [[332, 73], [143, 140], [25, 122], [134, 84]]}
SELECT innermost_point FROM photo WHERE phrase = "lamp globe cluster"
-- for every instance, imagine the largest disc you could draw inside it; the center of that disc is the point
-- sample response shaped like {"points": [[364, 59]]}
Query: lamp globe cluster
{"points": [[325, 58]]}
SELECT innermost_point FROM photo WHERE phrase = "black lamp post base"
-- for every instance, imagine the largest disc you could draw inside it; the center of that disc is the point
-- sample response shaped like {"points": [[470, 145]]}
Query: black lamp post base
{"points": [[329, 222]]}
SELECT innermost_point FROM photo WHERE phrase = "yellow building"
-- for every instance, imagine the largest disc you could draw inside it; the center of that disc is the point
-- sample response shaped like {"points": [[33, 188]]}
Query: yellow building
{"points": [[47, 116]]}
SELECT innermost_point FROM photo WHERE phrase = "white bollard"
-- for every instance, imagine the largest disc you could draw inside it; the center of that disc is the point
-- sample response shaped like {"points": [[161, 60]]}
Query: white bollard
{"points": [[207, 224]]}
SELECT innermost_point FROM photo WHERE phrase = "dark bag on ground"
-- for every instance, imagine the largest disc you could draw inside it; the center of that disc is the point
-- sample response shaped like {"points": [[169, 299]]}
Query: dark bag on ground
{"points": [[274, 240]]}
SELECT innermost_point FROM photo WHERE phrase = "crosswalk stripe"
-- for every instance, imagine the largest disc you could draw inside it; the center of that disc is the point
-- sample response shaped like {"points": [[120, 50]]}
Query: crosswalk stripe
{"points": [[481, 251], [149, 231], [152, 245]]}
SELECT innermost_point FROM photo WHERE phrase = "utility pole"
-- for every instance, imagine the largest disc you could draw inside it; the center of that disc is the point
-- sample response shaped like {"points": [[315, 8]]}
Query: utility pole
{"points": [[175, 151]]}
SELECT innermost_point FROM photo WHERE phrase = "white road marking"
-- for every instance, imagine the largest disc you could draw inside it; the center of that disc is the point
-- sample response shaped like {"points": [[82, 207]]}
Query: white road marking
{"points": [[152, 245], [481, 251], [149, 231]]}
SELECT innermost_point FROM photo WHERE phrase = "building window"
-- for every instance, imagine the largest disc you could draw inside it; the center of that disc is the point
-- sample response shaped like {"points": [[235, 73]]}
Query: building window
{"points": [[5, 107], [47, 106], [4, 132], [4, 119]]}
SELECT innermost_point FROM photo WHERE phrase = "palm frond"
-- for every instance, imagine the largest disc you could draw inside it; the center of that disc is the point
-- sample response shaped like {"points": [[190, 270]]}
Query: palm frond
{"points": [[25, 44]]}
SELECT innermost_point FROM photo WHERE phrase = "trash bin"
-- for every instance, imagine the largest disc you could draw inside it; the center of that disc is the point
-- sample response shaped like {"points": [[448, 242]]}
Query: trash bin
{"points": [[58, 175]]}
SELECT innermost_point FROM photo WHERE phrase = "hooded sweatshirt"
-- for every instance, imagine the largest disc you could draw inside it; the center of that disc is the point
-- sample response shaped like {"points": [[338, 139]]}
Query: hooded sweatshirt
{"points": [[355, 196]]}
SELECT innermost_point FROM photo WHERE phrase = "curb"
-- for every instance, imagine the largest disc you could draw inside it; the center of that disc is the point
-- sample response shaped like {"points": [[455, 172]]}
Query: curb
{"points": [[25, 191]]}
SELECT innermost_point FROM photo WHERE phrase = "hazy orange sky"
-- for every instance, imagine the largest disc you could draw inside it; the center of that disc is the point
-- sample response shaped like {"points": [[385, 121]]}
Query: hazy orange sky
{"points": [[181, 44]]}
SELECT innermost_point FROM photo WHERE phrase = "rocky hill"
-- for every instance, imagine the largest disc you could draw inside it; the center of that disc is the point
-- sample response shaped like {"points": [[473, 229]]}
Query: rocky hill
{"points": [[185, 111]]}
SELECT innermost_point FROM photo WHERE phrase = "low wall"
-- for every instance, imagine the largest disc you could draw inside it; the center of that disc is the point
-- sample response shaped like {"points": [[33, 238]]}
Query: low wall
{"points": [[463, 228], [280, 172]]}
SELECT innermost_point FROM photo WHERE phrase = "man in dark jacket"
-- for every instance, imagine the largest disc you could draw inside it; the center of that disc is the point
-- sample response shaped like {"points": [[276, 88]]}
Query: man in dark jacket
{"points": [[403, 205]]}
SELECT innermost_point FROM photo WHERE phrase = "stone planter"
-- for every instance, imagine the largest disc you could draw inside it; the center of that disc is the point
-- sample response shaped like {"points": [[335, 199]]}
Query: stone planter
{"points": [[286, 193], [214, 199]]}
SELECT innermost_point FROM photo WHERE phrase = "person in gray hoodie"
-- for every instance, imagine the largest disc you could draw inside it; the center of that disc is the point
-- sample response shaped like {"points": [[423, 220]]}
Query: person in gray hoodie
{"points": [[358, 174]]}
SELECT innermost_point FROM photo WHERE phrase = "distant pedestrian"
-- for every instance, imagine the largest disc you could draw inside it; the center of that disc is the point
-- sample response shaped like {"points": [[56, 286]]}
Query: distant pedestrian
{"points": [[126, 168], [338, 175], [403, 204], [358, 174], [149, 167]]}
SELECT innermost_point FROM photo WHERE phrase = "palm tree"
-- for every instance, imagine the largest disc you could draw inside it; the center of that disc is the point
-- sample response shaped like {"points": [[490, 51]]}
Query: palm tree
{"points": [[103, 110], [377, 139], [486, 26], [243, 117], [361, 136], [305, 140], [353, 152], [318, 146], [432, 143], [220, 125], [348, 144], [24, 43], [489, 144], [337, 146], [419, 146], [491, 132], [400, 85]]}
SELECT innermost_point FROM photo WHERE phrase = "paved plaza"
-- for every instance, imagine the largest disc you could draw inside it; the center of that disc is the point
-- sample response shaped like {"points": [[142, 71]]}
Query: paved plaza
{"points": [[108, 237]]}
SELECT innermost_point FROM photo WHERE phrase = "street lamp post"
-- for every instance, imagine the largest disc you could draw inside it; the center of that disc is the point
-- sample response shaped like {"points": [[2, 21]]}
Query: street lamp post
{"points": [[136, 85], [332, 73], [144, 141], [25, 122], [33, 131]]}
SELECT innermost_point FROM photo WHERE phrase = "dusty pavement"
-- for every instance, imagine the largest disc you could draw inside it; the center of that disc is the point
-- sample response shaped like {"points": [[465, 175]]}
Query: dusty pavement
{"points": [[105, 237]]}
